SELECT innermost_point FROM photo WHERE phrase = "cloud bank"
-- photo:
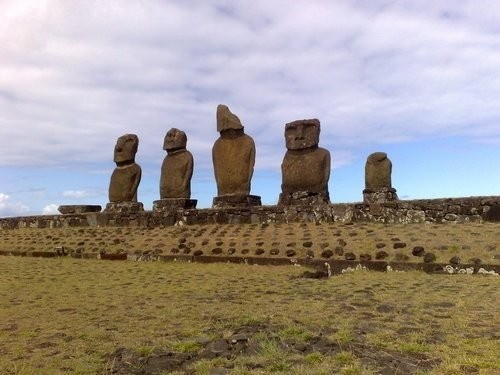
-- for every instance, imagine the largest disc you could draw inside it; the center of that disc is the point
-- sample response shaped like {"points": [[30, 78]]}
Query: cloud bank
{"points": [[10, 208]]}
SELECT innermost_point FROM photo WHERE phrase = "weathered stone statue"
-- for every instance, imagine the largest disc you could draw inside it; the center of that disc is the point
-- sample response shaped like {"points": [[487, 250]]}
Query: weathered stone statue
{"points": [[177, 167], [306, 167], [233, 156], [176, 173], [378, 185], [126, 176]]}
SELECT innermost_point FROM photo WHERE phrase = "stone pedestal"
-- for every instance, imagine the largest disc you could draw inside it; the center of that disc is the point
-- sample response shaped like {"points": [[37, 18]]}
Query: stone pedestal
{"points": [[78, 209], [233, 200], [124, 207], [303, 198], [173, 204], [381, 195]]}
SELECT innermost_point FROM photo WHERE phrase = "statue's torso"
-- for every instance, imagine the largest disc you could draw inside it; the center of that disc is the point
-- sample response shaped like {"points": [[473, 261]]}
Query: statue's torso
{"points": [[233, 164], [378, 175], [306, 172], [124, 183], [176, 172]]}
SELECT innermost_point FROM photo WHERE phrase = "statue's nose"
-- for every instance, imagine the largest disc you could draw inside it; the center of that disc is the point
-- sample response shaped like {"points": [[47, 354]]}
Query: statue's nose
{"points": [[300, 133]]}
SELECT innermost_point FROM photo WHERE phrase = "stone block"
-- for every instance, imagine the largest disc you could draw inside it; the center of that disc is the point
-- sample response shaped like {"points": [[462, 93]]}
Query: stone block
{"points": [[78, 209], [124, 207], [236, 200], [493, 213], [173, 204], [303, 199], [380, 195]]}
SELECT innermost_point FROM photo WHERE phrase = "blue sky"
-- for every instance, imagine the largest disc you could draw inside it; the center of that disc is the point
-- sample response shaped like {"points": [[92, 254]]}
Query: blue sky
{"points": [[419, 80]]}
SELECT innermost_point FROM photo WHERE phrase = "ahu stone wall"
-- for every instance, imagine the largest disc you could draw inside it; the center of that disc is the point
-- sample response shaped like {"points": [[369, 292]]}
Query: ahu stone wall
{"points": [[448, 210]]}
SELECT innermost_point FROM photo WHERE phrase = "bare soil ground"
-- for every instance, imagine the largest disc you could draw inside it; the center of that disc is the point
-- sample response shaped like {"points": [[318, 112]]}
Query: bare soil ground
{"points": [[442, 243], [66, 315]]}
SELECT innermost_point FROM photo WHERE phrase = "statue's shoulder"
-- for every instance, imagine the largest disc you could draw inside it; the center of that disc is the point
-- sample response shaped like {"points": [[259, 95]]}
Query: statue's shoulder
{"points": [[323, 151]]}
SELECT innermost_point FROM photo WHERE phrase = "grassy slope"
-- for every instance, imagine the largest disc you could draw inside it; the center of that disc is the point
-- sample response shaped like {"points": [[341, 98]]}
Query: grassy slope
{"points": [[67, 316], [467, 241]]}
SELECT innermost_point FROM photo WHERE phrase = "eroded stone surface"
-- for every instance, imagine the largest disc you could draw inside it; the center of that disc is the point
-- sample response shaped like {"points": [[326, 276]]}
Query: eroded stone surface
{"points": [[378, 184], [177, 167], [173, 204], [471, 210], [124, 207], [236, 200], [378, 171], [233, 155], [127, 174], [306, 167]]}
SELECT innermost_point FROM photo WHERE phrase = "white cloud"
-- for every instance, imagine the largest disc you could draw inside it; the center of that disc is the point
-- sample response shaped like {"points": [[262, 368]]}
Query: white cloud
{"points": [[74, 76], [50, 209], [9, 208]]}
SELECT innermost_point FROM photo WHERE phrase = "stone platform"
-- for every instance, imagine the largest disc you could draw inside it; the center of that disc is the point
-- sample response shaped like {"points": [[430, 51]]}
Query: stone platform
{"points": [[237, 200], [173, 204], [303, 198], [383, 195], [124, 207], [445, 210]]}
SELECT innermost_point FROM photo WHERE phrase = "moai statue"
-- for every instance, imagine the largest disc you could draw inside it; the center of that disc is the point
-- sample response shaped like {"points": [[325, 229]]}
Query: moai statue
{"points": [[378, 185], [176, 173], [233, 156], [126, 176], [306, 167]]}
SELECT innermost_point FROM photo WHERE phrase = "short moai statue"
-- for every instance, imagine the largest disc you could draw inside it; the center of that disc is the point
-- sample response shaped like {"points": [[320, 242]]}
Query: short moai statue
{"points": [[306, 166], [378, 184], [233, 156], [176, 173], [126, 176]]}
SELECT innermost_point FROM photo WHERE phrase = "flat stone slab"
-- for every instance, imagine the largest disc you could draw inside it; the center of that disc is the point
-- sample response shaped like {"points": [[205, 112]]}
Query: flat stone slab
{"points": [[124, 207], [78, 209], [173, 204], [224, 201]]}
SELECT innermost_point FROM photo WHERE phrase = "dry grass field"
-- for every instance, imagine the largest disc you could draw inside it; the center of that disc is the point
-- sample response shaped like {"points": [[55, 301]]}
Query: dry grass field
{"points": [[65, 315], [470, 243]]}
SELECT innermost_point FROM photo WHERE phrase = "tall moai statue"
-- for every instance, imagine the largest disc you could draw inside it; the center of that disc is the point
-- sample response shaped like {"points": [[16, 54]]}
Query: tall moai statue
{"points": [[306, 166], [378, 184], [176, 173], [233, 156], [126, 176]]}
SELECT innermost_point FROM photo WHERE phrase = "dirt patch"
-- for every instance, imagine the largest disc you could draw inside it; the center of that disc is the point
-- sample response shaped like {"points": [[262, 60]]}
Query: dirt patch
{"points": [[248, 340]]}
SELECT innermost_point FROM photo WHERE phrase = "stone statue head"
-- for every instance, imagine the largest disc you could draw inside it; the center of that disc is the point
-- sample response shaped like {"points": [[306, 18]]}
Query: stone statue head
{"points": [[226, 119], [376, 157], [302, 134], [126, 148], [175, 139]]}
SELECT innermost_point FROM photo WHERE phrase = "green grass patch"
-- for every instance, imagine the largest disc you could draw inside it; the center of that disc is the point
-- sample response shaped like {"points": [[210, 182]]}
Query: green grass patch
{"points": [[69, 316]]}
